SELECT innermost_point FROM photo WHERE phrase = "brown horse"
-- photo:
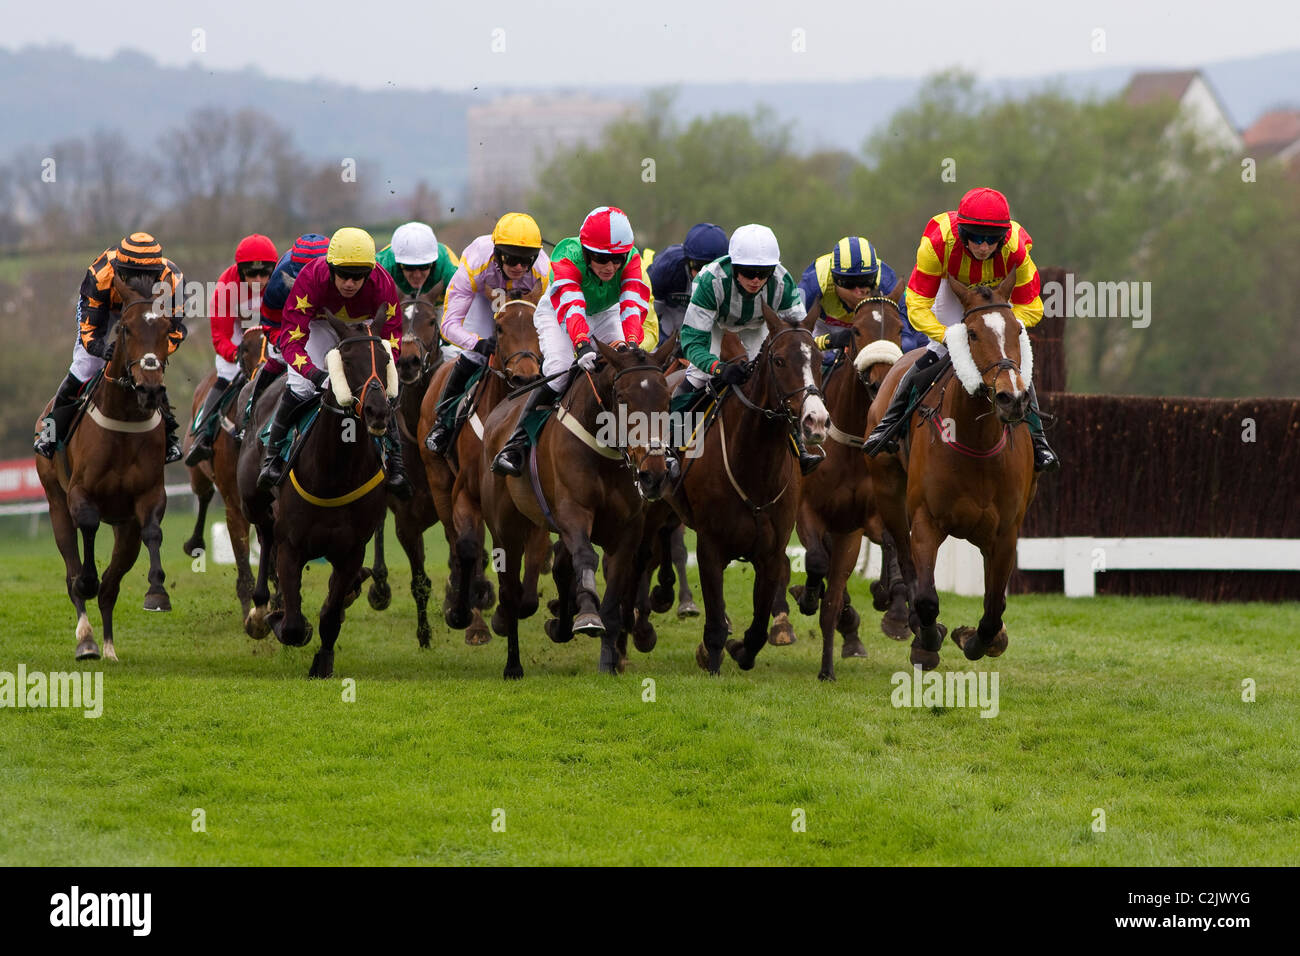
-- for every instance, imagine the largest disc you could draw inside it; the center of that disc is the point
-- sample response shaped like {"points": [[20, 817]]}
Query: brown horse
{"points": [[111, 470], [836, 503], [455, 479], [418, 360], [591, 493], [219, 471], [333, 497], [742, 493], [966, 468]]}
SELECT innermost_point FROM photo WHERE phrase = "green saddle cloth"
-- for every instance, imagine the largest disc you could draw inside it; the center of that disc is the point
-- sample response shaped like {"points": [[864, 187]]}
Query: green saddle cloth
{"points": [[534, 421], [450, 410], [224, 402], [301, 426]]}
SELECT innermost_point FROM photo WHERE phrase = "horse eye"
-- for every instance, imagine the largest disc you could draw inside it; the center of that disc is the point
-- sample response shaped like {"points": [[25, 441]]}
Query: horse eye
{"points": [[779, 363], [973, 337]]}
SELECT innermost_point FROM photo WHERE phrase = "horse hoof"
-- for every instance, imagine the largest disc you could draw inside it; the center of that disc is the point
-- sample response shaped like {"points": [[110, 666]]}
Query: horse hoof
{"points": [[740, 655], [848, 621], [322, 666], [513, 672], [456, 618], [356, 588], [193, 547], [88, 650], [702, 658], [879, 596], [998, 644], [499, 624], [968, 639], [852, 648], [485, 596], [255, 623], [806, 598], [87, 589], [687, 609], [157, 601], [477, 635], [661, 599], [110, 652], [826, 676], [589, 624], [782, 633], [380, 595], [422, 635], [553, 605], [644, 637], [895, 627], [552, 629], [926, 660]]}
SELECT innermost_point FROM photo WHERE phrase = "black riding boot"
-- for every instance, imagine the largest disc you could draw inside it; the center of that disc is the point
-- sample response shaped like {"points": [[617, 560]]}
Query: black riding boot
{"points": [[173, 428], [440, 437], [286, 411], [56, 423], [1044, 458], [260, 383], [201, 450], [807, 460], [510, 459], [917, 379], [398, 485]]}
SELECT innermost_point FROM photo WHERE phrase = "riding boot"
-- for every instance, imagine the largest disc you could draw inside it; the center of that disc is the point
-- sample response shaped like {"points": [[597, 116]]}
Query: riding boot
{"points": [[917, 379], [286, 411], [510, 460], [1044, 458], [440, 437], [807, 460], [169, 421], [398, 485], [260, 382], [56, 423], [201, 450]]}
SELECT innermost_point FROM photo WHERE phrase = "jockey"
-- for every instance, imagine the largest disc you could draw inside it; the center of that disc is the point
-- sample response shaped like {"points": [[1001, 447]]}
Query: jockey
{"points": [[978, 243], [349, 285], [728, 297], [417, 261], [674, 270], [138, 261], [236, 299], [510, 259], [840, 280], [596, 289]]}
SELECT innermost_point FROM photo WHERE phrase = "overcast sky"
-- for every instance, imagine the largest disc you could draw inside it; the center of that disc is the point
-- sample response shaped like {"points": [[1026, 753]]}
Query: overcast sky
{"points": [[418, 44]]}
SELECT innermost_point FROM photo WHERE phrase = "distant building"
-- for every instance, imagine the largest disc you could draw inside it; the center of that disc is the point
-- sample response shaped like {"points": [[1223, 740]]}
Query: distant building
{"points": [[1275, 135], [511, 139], [1196, 100]]}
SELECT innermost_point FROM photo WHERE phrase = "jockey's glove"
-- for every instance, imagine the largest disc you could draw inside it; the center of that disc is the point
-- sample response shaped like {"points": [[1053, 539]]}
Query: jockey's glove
{"points": [[839, 339], [587, 356], [485, 347], [320, 378], [733, 373]]}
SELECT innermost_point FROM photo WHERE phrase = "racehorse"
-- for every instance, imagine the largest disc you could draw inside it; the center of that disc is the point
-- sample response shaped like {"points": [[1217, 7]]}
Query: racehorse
{"points": [[418, 359], [111, 470], [965, 469], [219, 471], [836, 502], [590, 493], [455, 479], [333, 497], [741, 493]]}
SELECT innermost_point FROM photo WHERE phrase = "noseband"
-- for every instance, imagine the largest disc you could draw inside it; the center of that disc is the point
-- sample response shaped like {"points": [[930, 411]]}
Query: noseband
{"points": [[783, 398]]}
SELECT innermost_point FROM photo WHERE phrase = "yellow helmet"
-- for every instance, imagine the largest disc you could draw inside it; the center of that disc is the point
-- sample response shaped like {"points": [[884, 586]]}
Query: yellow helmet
{"points": [[351, 246], [517, 229]]}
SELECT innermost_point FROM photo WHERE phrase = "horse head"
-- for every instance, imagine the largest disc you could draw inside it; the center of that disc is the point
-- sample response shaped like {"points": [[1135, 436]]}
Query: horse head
{"points": [[878, 334], [419, 353], [634, 379], [990, 339], [520, 352], [790, 371], [362, 375], [251, 352], [141, 346]]}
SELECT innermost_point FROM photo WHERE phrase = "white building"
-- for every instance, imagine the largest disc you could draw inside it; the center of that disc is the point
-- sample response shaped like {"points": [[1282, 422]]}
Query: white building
{"points": [[1196, 100]]}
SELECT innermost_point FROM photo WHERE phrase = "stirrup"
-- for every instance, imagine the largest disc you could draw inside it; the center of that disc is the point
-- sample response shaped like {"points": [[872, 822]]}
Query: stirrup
{"points": [[505, 461]]}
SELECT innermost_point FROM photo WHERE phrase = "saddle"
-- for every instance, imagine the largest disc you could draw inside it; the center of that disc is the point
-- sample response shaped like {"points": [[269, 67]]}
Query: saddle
{"points": [[77, 411], [297, 433]]}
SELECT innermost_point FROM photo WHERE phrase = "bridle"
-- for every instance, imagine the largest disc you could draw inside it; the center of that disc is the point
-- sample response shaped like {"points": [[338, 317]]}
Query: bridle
{"points": [[426, 350], [656, 447], [504, 373], [373, 380], [987, 388], [148, 362], [783, 398]]}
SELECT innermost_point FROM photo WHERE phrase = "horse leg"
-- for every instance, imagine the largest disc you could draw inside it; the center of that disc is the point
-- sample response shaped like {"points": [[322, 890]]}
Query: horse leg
{"points": [[926, 538], [467, 548], [86, 518], [782, 632], [536, 552], [126, 548], [891, 492], [202, 487], [770, 572], [291, 628], [576, 534], [812, 532], [686, 606], [380, 595], [332, 612], [411, 539], [895, 623], [643, 631], [255, 619], [991, 636], [65, 536], [620, 590], [843, 555], [560, 626], [149, 514], [711, 565], [661, 595]]}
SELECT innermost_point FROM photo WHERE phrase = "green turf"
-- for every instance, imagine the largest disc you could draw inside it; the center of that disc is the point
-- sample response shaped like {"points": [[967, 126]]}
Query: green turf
{"points": [[1133, 707]]}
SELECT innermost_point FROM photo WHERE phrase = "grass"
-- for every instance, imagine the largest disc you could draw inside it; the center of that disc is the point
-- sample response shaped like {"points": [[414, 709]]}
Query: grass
{"points": [[1133, 707]]}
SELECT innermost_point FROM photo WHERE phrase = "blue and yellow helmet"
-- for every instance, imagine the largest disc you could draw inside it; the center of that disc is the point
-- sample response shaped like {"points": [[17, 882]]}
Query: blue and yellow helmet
{"points": [[854, 256]]}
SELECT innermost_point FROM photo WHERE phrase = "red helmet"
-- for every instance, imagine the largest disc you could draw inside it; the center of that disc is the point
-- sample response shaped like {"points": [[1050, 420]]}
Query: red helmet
{"points": [[984, 210], [606, 229], [255, 248]]}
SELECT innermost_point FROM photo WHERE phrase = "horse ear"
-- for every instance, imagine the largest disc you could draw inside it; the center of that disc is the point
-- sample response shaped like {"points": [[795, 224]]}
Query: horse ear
{"points": [[810, 320], [896, 296], [774, 323], [960, 289], [1006, 286], [664, 353], [434, 295], [332, 320], [606, 352], [535, 294], [124, 291]]}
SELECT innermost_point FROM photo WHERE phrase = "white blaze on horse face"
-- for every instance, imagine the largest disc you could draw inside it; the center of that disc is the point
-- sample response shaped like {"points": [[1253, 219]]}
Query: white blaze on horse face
{"points": [[878, 316], [998, 326], [816, 419]]}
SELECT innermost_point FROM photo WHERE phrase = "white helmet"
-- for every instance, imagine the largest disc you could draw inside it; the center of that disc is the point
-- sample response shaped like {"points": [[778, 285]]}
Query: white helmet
{"points": [[754, 245], [414, 244]]}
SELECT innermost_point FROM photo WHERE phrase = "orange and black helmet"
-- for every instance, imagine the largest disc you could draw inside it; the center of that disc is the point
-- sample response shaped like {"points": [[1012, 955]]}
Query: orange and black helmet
{"points": [[140, 252]]}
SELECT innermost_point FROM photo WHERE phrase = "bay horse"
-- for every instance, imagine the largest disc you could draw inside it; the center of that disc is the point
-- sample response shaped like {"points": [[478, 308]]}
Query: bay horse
{"points": [[333, 496], [965, 468], [219, 471], [590, 493], [456, 478], [418, 360], [111, 471], [836, 504], [741, 494]]}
